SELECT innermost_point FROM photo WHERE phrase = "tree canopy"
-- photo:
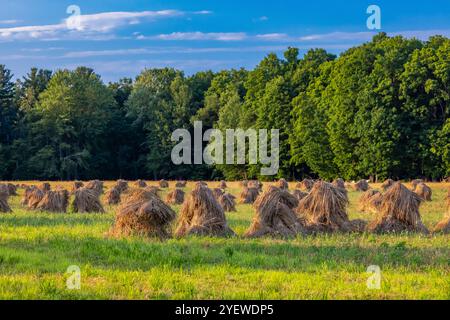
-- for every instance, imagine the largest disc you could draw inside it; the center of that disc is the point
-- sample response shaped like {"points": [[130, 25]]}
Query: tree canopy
{"points": [[378, 110]]}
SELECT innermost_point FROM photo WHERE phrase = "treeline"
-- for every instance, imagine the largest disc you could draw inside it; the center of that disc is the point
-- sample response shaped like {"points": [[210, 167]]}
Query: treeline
{"points": [[378, 110]]}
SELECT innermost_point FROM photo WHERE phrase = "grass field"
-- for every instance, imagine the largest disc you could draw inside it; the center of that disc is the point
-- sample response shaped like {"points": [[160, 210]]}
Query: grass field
{"points": [[37, 248]]}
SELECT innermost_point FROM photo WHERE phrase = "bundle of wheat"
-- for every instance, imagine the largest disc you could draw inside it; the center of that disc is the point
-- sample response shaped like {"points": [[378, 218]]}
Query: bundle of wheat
{"points": [[95, 185], [112, 196], [180, 184], [175, 197], [217, 193], [201, 214], [370, 201], [339, 183], [223, 184], [153, 189], [423, 191], [54, 201], [33, 197], [87, 200], [275, 215], [415, 182], [361, 185], [324, 209], [4, 194], [248, 195], [143, 214], [121, 185], [228, 202], [12, 189], [163, 184], [305, 185], [299, 194], [140, 184], [387, 184], [282, 184], [45, 187], [75, 186], [398, 212], [26, 195], [444, 225]]}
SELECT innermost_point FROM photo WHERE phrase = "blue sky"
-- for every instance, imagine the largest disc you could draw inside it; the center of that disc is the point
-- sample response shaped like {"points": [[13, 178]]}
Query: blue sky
{"points": [[120, 38]]}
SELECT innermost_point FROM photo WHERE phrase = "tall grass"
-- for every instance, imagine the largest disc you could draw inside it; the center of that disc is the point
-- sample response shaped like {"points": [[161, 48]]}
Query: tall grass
{"points": [[37, 248]]}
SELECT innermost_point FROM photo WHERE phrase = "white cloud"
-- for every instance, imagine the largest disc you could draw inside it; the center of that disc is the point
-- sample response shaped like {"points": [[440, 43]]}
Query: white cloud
{"points": [[187, 50], [205, 12], [339, 36], [154, 51], [260, 19], [41, 49], [421, 34], [101, 53], [273, 36], [183, 36], [107, 21], [368, 35], [12, 21], [87, 26]]}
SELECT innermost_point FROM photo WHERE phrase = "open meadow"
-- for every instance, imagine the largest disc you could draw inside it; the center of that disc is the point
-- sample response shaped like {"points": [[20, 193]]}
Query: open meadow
{"points": [[37, 248]]}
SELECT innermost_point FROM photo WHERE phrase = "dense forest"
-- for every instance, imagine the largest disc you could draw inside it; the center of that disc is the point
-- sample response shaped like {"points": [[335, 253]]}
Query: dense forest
{"points": [[378, 110]]}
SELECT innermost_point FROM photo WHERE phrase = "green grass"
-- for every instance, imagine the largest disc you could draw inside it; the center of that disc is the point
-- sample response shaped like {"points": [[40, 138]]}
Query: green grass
{"points": [[37, 248]]}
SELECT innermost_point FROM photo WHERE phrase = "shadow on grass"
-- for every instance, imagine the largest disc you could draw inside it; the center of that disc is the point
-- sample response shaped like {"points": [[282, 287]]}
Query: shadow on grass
{"points": [[192, 253], [44, 220]]}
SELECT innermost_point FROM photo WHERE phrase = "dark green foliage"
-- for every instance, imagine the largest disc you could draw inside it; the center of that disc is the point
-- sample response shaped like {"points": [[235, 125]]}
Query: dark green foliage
{"points": [[378, 110]]}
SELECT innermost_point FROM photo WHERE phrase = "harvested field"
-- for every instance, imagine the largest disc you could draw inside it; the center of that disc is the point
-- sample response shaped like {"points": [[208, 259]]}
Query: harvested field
{"points": [[37, 247]]}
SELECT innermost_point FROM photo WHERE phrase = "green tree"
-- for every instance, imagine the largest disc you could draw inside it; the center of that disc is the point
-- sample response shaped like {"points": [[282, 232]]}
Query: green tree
{"points": [[425, 93], [74, 114], [310, 143], [8, 120], [380, 126], [216, 96], [27, 93], [160, 103], [310, 151]]}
